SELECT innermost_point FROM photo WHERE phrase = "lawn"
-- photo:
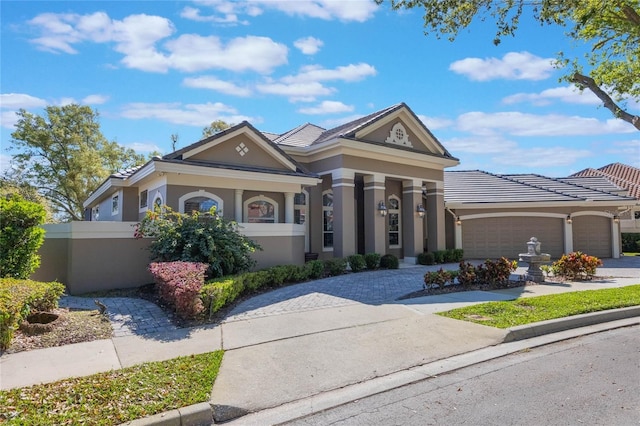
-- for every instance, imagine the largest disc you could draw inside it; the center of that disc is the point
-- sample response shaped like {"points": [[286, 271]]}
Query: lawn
{"points": [[534, 309], [114, 397]]}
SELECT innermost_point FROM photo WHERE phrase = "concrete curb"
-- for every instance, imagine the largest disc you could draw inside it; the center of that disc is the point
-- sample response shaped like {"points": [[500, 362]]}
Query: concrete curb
{"points": [[529, 331], [193, 415], [327, 400]]}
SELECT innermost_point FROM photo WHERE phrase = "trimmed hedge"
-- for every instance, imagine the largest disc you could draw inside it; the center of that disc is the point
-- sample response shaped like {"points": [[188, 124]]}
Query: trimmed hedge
{"points": [[20, 297], [389, 261]]}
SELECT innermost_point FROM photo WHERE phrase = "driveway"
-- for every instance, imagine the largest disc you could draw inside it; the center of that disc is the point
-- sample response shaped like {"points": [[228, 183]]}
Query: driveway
{"points": [[377, 288]]}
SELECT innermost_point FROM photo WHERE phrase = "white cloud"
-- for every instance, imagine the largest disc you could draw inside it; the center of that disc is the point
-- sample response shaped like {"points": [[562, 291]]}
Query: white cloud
{"points": [[193, 14], [480, 145], [5, 163], [8, 119], [512, 66], [189, 114], [434, 123], [67, 101], [327, 107], [136, 38], [335, 122], [212, 83], [557, 156], [191, 52], [567, 94], [521, 124], [630, 150], [144, 147], [308, 45], [296, 91], [20, 100], [95, 99], [350, 10], [347, 73]]}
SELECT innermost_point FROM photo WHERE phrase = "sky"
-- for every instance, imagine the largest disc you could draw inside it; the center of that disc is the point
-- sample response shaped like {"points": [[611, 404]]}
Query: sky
{"points": [[153, 69]]}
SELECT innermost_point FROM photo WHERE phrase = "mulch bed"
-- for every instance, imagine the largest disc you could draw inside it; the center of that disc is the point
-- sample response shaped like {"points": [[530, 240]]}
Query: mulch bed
{"points": [[456, 288]]}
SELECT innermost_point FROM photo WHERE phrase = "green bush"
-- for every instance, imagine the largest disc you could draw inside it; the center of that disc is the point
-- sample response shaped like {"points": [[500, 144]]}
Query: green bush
{"points": [[426, 258], [496, 273], [357, 262], [314, 269], [631, 242], [335, 266], [20, 236], [439, 256], [458, 255], [439, 278], [372, 260], [20, 297], [219, 293], [389, 261], [201, 238]]}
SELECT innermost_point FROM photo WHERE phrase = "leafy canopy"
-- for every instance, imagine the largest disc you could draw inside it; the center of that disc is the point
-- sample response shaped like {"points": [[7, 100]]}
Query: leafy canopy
{"points": [[610, 28], [65, 156], [215, 127]]}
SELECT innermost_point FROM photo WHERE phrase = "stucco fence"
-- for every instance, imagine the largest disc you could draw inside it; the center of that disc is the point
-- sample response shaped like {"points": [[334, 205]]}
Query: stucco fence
{"points": [[95, 256]]}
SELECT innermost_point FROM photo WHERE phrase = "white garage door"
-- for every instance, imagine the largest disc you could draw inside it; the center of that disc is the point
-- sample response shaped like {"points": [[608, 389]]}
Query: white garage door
{"points": [[491, 238], [592, 235]]}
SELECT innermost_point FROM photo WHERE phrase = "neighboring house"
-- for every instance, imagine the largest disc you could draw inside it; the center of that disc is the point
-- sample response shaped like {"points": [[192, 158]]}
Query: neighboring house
{"points": [[494, 215], [627, 179], [356, 188]]}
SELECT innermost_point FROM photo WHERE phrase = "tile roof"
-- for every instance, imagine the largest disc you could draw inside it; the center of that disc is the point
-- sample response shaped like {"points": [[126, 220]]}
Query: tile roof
{"points": [[471, 187], [124, 174], [622, 175], [303, 135]]}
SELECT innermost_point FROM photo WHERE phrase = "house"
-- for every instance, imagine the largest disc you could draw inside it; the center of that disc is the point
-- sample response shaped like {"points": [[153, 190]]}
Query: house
{"points": [[627, 180], [375, 184]]}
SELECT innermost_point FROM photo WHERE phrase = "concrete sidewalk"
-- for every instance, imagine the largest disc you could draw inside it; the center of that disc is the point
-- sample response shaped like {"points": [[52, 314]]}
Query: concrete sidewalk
{"points": [[278, 356]]}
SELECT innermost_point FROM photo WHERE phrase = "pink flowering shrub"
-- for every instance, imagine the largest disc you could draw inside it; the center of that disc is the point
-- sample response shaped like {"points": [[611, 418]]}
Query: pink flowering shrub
{"points": [[179, 285]]}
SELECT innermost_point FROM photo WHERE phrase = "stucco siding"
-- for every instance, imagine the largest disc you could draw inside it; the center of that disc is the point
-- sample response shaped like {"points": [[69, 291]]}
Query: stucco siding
{"points": [[225, 152]]}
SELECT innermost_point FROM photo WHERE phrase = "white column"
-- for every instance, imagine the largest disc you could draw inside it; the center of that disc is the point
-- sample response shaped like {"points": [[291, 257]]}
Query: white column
{"points": [[568, 237], [458, 234], [288, 207], [615, 232], [238, 205]]}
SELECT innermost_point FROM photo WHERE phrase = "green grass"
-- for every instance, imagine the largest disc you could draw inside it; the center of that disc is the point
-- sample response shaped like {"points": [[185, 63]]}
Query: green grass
{"points": [[114, 397], [534, 309], [631, 253]]}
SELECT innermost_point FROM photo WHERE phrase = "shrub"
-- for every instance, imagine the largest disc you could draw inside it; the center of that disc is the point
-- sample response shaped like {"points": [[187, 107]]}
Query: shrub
{"points": [[335, 266], [372, 260], [20, 297], [201, 238], [389, 261], [20, 237], [467, 274], [631, 242], [314, 269], [439, 256], [221, 292], [576, 265], [426, 258], [357, 262], [179, 284], [458, 255], [439, 278], [496, 272]]}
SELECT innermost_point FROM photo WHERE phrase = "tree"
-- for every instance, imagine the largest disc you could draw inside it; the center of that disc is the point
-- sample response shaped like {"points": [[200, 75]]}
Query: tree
{"points": [[21, 236], [215, 127], [610, 27], [11, 185], [65, 156]]}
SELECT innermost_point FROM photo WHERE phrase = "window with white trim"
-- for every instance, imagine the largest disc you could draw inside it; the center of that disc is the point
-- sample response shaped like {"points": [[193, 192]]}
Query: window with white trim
{"points": [[393, 217], [300, 209], [200, 201], [95, 213], [115, 204], [144, 199], [261, 209], [327, 219]]}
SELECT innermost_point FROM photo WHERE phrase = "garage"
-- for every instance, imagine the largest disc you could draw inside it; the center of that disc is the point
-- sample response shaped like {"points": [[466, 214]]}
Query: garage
{"points": [[507, 236], [592, 235]]}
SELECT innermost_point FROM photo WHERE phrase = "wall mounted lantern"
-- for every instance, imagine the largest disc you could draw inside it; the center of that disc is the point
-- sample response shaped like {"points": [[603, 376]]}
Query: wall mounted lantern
{"points": [[458, 221], [420, 210], [569, 221], [616, 219], [382, 209]]}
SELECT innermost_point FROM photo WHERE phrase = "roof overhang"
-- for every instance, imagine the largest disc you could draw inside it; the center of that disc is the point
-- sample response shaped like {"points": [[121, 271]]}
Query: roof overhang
{"points": [[538, 204]]}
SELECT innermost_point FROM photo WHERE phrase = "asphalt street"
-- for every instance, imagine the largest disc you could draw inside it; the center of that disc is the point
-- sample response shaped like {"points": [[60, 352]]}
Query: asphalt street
{"points": [[590, 380]]}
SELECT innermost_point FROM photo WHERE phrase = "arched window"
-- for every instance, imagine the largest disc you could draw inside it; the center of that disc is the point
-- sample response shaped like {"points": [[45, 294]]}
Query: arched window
{"points": [[261, 209], [327, 220], [200, 201], [393, 216]]}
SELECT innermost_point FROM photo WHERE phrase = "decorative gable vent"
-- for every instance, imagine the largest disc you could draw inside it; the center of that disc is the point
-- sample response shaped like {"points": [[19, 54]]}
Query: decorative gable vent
{"points": [[242, 149], [398, 135]]}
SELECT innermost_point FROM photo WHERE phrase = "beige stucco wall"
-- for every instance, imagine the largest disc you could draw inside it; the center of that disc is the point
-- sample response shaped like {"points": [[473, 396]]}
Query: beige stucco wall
{"points": [[225, 152]]}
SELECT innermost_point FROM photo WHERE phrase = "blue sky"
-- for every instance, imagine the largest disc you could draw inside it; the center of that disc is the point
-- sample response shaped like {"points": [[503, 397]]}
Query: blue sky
{"points": [[153, 69]]}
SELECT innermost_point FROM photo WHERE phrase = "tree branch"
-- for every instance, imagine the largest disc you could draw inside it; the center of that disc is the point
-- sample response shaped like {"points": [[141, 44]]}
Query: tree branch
{"points": [[588, 82]]}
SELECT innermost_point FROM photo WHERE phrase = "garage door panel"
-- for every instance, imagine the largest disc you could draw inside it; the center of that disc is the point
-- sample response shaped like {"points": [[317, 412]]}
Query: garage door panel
{"points": [[508, 236], [592, 235]]}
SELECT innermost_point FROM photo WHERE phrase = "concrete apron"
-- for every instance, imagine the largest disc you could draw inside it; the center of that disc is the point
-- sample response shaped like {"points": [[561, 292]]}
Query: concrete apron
{"points": [[330, 349]]}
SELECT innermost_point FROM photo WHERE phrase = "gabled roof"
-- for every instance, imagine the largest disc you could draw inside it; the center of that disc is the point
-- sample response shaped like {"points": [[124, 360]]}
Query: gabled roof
{"points": [[302, 135], [349, 129], [622, 175], [479, 187]]}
